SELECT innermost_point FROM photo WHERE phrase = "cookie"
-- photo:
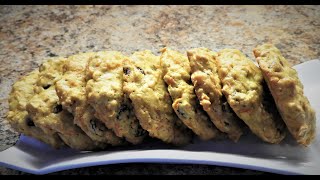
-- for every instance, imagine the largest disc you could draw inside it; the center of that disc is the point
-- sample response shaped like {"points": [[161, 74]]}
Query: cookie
{"points": [[72, 96], [208, 89], [287, 91], [47, 113], [151, 101], [22, 92], [176, 71], [105, 94], [243, 87]]}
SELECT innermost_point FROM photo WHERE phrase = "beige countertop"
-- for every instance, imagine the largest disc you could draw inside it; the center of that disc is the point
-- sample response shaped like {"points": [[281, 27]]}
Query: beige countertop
{"points": [[31, 34]]}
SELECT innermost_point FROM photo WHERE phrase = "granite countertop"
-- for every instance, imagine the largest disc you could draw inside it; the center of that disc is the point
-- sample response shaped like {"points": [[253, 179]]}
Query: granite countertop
{"points": [[31, 34]]}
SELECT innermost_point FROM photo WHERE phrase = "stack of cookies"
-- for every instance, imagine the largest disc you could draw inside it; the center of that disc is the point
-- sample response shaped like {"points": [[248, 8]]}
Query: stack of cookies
{"points": [[94, 100]]}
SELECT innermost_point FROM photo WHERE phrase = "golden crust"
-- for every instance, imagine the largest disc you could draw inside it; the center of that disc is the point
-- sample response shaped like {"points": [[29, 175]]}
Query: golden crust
{"points": [[177, 70], [22, 92], [287, 91], [207, 86], [72, 96], [243, 87], [105, 94], [151, 100]]}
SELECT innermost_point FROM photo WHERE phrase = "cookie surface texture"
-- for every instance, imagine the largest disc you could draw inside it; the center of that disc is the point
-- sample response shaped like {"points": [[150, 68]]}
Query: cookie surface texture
{"points": [[177, 71], [105, 94], [71, 90], [47, 112], [208, 89], [243, 87], [287, 90], [145, 87]]}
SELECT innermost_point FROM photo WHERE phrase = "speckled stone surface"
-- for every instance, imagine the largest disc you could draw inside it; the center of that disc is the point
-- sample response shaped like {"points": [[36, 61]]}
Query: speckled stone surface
{"points": [[31, 34]]}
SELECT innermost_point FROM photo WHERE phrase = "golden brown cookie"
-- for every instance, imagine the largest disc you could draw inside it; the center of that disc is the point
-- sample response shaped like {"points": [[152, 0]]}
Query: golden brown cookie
{"points": [[176, 69], [22, 92], [144, 85], [208, 89], [287, 91], [243, 87], [72, 96], [105, 94], [47, 113]]}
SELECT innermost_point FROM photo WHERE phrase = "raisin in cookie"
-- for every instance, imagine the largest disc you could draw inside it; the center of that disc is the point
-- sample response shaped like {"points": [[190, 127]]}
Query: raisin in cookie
{"points": [[72, 96], [145, 87], [287, 91], [22, 92], [243, 87], [207, 86], [105, 94]]}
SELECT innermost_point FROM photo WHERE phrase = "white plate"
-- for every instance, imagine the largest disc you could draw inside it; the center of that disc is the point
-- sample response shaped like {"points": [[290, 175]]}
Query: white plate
{"points": [[32, 156]]}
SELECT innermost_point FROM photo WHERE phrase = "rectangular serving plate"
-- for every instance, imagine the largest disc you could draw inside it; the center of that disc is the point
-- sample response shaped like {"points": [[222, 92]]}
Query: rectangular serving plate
{"points": [[32, 156]]}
